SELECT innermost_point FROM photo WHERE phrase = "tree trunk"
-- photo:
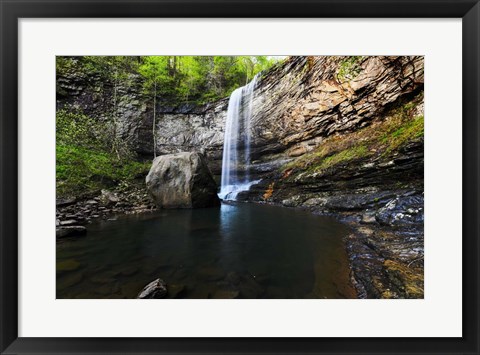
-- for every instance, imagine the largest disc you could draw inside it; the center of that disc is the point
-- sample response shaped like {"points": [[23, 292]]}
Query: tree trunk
{"points": [[154, 121], [115, 124]]}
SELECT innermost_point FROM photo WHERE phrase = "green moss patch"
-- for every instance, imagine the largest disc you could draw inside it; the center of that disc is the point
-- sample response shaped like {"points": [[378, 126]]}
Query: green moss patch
{"points": [[408, 279], [410, 130], [81, 170], [349, 68], [343, 156], [89, 157]]}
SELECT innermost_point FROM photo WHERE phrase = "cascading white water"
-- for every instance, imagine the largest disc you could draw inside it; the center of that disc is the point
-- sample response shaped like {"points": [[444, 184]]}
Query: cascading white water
{"points": [[236, 146]]}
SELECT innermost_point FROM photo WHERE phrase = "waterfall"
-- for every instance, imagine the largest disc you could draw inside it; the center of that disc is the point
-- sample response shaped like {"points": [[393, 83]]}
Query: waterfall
{"points": [[236, 146]]}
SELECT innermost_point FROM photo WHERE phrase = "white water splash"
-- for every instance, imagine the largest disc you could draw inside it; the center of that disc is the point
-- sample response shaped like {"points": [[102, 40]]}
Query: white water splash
{"points": [[230, 192], [236, 146]]}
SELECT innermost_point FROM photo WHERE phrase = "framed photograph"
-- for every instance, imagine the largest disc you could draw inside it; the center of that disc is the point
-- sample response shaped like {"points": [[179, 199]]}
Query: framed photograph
{"points": [[239, 177]]}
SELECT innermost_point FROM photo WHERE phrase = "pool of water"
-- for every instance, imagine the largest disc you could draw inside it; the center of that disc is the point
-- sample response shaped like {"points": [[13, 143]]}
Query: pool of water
{"points": [[235, 251]]}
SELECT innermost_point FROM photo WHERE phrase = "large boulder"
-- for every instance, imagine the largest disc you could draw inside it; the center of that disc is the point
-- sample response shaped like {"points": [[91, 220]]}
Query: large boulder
{"points": [[182, 180]]}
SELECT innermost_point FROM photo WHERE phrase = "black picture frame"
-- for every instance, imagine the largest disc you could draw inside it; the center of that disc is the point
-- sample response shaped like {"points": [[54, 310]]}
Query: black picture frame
{"points": [[11, 11]]}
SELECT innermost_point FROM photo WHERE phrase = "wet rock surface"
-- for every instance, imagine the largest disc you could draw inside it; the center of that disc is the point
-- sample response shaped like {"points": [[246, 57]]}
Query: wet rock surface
{"points": [[386, 248], [155, 289], [387, 262]]}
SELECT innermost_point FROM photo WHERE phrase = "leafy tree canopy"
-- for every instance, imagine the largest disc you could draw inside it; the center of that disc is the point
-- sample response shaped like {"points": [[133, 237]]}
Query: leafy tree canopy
{"points": [[174, 79]]}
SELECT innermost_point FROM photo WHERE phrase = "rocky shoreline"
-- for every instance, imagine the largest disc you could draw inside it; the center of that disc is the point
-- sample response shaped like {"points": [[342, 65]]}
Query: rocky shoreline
{"points": [[386, 247], [386, 262], [74, 214]]}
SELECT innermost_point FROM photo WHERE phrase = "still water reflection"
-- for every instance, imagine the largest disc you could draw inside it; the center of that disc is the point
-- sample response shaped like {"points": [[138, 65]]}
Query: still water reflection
{"points": [[236, 251]]}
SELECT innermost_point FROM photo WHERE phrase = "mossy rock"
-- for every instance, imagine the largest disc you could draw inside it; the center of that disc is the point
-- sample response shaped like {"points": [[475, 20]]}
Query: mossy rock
{"points": [[409, 280]]}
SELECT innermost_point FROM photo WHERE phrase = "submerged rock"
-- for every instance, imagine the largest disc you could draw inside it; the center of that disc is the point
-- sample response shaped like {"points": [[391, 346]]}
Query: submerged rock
{"points": [[155, 289], [70, 231], [182, 180]]}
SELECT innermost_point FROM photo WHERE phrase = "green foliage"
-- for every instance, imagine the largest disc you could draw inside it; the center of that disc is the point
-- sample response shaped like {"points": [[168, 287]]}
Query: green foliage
{"points": [[155, 70], [349, 68], [408, 107], [202, 79], [65, 65], [105, 67], [344, 156], [410, 130], [85, 159], [179, 79], [76, 128]]}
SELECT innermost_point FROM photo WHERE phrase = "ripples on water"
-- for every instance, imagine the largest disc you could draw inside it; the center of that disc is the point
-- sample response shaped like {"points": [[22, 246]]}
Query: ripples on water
{"points": [[239, 250]]}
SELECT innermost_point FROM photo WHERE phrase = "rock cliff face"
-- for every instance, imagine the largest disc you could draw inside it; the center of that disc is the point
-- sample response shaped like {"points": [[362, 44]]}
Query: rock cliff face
{"points": [[179, 128], [80, 92], [198, 129], [317, 97], [296, 105]]}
